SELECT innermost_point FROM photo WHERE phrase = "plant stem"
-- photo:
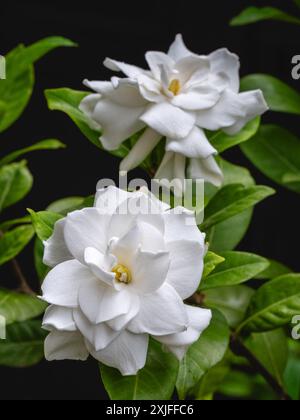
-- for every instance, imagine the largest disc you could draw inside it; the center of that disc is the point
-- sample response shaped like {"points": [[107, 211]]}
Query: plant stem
{"points": [[23, 283], [240, 349]]}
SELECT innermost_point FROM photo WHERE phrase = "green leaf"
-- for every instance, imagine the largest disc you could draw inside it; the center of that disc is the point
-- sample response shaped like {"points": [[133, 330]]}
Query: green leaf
{"points": [[68, 101], [279, 96], [24, 345], [297, 2], [17, 307], [50, 144], [292, 378], [67, 205], [238, 385], [155, 382], [222, 141], [43, 223], [5, 226], [237, 268], [232, 301], [41, 269], [211, 382], [211, 261], [274, 304], [276, 153], [15, 183], [271, 350], [13, 242], [227, 235], [257, 14], [16, 89], [206, 353], [275, 269], [232, 200]]}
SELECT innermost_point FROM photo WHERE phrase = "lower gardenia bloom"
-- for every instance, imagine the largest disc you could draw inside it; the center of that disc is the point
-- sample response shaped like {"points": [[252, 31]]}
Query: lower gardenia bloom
{"points": [[177, 99], [120, 274]]}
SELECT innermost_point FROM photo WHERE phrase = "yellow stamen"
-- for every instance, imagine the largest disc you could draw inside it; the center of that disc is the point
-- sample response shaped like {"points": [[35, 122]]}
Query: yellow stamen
{"points": [[122, 273], [175, 87]]}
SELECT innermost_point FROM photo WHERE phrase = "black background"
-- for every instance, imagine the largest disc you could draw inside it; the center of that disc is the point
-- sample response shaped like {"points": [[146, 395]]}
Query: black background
{"points": [[125, 30]]}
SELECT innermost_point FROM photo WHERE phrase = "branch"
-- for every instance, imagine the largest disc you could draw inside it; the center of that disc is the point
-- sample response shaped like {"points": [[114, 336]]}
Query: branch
{"points": [[240, 349], [23, 283]]}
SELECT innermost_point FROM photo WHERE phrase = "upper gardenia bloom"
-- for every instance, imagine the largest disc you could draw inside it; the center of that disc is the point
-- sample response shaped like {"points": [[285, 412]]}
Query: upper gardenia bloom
{"points": [[121, 272], [180, 96]]}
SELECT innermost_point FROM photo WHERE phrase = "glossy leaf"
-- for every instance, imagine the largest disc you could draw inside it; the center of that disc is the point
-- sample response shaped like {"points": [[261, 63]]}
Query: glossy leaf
{"points": [[206, 353], [211, 382], [237, 268], [43, 223], [274, 304], [275, 269], [232, 200], [40, 267], [276, 153], [211, 261], [257, 14], [13, 242], [50, 144], [67, 205], [232, 301], [279, 96], [15, 183], [271, 350], [18, 307], [222, 141], [16, 90], [4, 226], [24, 345], [155, 382]]}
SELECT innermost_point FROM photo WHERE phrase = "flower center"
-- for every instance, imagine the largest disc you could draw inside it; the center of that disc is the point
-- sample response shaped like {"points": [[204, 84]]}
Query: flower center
{"points": [[122, 273], [175, 87]]}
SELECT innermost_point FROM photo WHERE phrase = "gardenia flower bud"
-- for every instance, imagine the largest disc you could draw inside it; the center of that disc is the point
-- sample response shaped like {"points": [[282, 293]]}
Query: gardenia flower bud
{"points": [[120, 273], [182, 95]]}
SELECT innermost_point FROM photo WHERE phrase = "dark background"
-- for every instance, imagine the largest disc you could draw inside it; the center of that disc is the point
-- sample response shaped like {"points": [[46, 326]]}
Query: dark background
{"points": [[125, 30]]}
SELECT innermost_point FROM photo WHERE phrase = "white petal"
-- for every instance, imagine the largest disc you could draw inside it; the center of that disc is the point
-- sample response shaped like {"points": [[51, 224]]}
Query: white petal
{"points": [[181, 225], [151, 238], [157, 60], [62, 283], [65, 346], [56, 250], [126, 247], [127, 353], [150, 89], [108, 199], [206, 169], [186, 267], [141, 150], [128, 69], [149, 271], [169, 121], [59, 318], [193, 65], [87, 106], [195, 145], [197, 99], [178, 344], [101, 303], [171, 173], [178, 50], [86, 228], [254, 104], [122, 321], [118, 122], [161, 313], [101, 265], [223, 61], [100, 336]]}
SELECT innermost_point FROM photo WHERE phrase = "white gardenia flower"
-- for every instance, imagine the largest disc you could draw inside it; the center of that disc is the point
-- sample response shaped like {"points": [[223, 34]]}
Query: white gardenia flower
{"points": [[120, 274], [181, 95]]}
